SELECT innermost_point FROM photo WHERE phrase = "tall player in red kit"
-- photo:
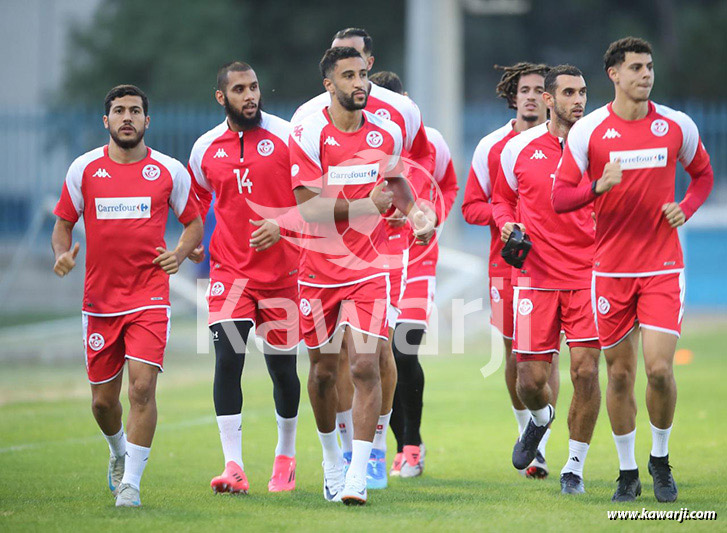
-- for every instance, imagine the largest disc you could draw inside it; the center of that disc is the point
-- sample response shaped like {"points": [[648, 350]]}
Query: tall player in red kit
{"points": [[522, 86], [629, 150], [124, 191], [339, 159], [253, 274], [552, 289]]}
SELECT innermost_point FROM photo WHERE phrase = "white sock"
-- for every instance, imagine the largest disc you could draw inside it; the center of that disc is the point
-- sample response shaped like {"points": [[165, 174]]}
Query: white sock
{"points": [[542, 416], [136, 458], [231, 437], [286, 435], [625, 445], [660, 441], [543, 442], [381, 428], [344, 423], [117, 443], [331, 451], [577, 452], [523, 417], [359, 460]]}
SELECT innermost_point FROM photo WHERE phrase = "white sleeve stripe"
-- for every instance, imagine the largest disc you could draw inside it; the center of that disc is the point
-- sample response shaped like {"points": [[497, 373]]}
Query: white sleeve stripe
{"points": [[507, 161], [74, 177], [690, 133], [276, 126], [406, 107], [198, 151], [441, 153], [580, 136], [181, 182], [482, 155], [310, 138]]}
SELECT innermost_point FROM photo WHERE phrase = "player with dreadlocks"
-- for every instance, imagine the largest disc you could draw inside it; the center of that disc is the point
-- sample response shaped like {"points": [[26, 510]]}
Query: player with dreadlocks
{"points": [[522, 86]]}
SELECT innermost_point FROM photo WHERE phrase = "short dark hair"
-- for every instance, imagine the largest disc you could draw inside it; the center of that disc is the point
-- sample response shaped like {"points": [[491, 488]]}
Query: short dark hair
{"points": [[126, 90], [333, 56], [551, 78], [616, 53], [233, 66], [356, 32], [507, 88], [388, 80]]}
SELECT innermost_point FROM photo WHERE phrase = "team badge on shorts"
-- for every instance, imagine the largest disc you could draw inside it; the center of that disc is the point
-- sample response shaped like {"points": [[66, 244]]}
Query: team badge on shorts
{"points": [[374, 139], [151, 172], [495, 295], [96, 341], [305, 307], [265, 147], [604, 306], [217, 288], [660, 127], [525, 307]]}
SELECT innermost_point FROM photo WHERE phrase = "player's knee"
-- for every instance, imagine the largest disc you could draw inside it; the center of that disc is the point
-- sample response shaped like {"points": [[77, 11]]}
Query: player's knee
{"points": [[323, 373], [531, 382], [621, 378], [364, 369], [103, 404], [584, 374], [659, 375], [141, 391]]}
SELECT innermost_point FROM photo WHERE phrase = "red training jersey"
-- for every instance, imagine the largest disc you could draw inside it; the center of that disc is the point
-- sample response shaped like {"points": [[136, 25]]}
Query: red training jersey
{"points": [[125, 209], [249, 173], [563, 245], [342, 165], [477, 203], [633, 237]]}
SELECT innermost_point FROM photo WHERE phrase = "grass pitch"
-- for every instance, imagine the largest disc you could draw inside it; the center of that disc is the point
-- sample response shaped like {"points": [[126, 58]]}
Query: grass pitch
{"points": [[53, 459]]}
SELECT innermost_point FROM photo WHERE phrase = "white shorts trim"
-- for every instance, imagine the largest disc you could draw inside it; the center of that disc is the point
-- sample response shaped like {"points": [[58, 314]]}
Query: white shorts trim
{"points": [[663, 330], [637, 274], [621, 339], [143, 361], [500, 332], [392, 314], [339, 326], [232, 320], [567, 340], [421, 278], [129, 311], [323, 286], [107, 380], [412, 321], [552, 350]]}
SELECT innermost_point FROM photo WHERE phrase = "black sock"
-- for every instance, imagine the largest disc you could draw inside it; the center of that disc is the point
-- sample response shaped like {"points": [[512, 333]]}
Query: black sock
{"points": [[410, 385], [229, 340], [396, 423], [286, 385]]}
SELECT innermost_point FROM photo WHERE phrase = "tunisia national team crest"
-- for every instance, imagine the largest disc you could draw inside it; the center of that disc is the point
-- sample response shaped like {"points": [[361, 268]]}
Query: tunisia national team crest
{"points": [[151, 172], [265, 147], [383, 113], [495, 295], [604, 306], [660, 127], [525, 307], [217, 288], [374, 139], [96, 341], [305, 307]]}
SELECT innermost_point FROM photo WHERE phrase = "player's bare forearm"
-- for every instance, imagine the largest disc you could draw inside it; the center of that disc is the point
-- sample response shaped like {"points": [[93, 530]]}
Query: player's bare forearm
{"points": [[189, 239], [61, 237], [403, 198]]}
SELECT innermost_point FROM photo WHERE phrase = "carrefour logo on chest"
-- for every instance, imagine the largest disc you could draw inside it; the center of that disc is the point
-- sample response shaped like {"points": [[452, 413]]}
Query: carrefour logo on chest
{"points": [[353, 175], [123, 208], [647, 158]]}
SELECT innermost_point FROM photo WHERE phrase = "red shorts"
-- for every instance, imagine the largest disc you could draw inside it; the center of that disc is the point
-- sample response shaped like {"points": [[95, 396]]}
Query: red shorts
{"points": [[501, 294], [109, 340], [540, 317], [273, 312], [361, 305], [416, 305], [654, 302]]}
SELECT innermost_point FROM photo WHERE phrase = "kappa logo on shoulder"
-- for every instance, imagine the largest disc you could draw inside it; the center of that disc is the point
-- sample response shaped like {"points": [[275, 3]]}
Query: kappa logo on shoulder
{"points": [[298, 132], [101, 173], [151, 172], [611, 133], [220, 153], [538, 154], [374, 139]]}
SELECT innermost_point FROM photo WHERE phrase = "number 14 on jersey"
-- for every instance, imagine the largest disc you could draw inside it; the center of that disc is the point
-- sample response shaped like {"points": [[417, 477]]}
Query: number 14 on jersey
{"points": [[243, 181]]}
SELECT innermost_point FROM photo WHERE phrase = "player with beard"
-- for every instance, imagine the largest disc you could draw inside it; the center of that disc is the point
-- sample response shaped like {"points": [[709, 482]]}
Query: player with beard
{"points": [[406, 115], [628, 151], [552, 287], [244, 161], [124, 191], [522, 86], [339, 157]]}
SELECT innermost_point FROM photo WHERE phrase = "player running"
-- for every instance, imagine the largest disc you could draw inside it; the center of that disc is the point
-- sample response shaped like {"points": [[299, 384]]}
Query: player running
{"points": [[124, 191], [244, 161], [438, 186], [339, 157], [405, 114], [552, 288], [628, 150], [522, 86]]}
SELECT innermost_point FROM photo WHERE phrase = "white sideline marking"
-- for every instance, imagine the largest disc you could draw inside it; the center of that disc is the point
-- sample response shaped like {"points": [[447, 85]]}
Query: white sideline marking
{"points": [[162, 427]]}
